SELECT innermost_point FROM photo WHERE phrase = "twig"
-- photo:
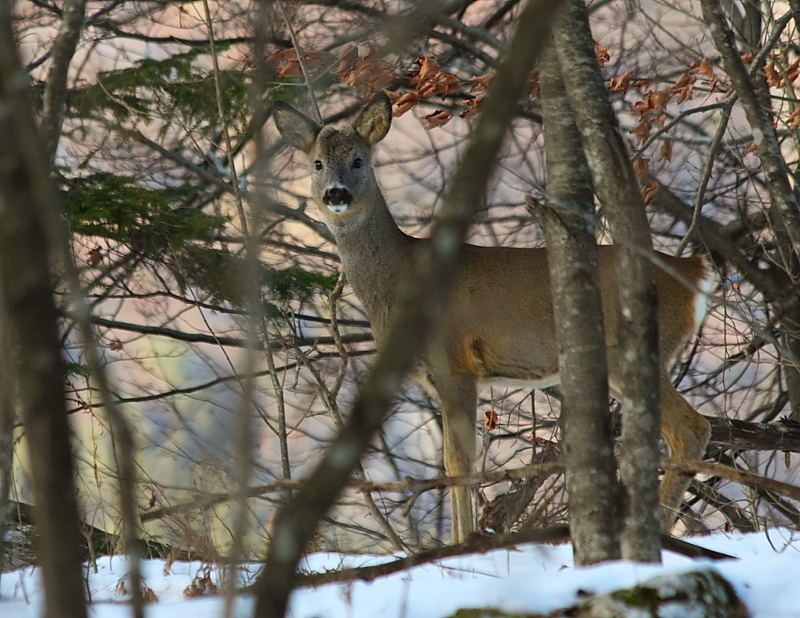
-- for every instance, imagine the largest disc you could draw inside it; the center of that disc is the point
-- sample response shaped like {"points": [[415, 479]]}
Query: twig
{"points": [[236, 342], [412, 485], [277, 389], [720, 133], [415, 487], [776, 173], [790, 301], [716, 142], [301, 59], [329, 396]]}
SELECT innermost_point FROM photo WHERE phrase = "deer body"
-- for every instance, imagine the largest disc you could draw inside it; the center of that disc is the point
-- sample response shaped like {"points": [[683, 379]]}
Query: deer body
{"points": [[498, 323]]}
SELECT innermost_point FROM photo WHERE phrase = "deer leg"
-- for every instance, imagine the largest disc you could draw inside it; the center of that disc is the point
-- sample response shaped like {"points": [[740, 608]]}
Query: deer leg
{"points": [[458, 397], [686, 433]]}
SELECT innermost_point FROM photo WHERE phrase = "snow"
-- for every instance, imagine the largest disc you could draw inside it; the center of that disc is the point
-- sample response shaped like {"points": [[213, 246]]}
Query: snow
{"points": [[530, 578]]}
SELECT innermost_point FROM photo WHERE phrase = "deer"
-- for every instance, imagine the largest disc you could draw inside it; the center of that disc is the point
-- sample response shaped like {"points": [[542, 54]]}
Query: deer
{"points": [[499, 326]]}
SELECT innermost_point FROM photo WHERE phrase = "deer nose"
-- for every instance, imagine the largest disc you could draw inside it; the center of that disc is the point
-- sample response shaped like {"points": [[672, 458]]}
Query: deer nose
{"points": [[337, 196]]}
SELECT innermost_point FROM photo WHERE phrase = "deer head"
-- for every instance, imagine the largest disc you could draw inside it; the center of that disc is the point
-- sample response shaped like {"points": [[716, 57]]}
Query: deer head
{"points": [[343, 184]]}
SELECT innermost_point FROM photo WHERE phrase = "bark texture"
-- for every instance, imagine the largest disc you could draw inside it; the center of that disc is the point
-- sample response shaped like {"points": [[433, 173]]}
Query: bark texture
{"points": [[31, 321], [567, 221], [55, 91], [6, 435], [633, 360]]}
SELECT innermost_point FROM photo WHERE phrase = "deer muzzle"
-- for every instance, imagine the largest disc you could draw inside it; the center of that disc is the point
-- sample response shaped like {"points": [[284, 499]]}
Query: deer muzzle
{"points": [[337, 199]]}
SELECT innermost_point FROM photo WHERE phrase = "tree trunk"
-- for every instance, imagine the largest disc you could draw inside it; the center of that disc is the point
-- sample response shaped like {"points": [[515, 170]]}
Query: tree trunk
{"points": [[633, 365], [567, 220], [6, 436], [31, 322]]}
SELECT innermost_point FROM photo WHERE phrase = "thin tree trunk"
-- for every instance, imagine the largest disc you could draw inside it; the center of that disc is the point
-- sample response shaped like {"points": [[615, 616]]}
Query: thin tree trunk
{"points": [[567, 220], [634, 363], [6, 434], [29, 307], [55, 89]]}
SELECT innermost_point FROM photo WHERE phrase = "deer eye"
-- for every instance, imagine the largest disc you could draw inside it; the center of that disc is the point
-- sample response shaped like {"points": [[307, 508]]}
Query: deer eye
{"points": [[318, 165], [357, 163]]}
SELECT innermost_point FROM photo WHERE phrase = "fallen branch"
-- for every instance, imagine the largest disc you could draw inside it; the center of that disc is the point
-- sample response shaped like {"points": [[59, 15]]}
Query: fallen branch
{"points": [[481, 545]]}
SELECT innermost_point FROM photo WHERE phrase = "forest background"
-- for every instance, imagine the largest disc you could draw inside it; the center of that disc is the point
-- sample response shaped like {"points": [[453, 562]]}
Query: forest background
{"points": [[222, 331]]}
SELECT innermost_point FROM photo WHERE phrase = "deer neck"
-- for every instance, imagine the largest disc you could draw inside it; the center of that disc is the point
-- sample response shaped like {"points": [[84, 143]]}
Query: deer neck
{"points": [[376, 256]]}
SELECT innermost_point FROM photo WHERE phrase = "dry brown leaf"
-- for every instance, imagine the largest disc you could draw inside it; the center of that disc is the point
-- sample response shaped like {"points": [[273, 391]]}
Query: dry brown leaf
{"points": [[622, 83], [149, 595], [472, 107], [430, 81], [394, 97], [439, 118], [683, 80], [641, 131], [287, 65], [685, 93], [793, 70], [405, 103], [649, 191], [641, 167], [661, 99], [428, 68], [369, 72], [480, 84], [202, 584], [704, 68], [666, 150], [447, 83], [645, 106], [602, 54], [347, 62], [774, 78], [95, 256]]}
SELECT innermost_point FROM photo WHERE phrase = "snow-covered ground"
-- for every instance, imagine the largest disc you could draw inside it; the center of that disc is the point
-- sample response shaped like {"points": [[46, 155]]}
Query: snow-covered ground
{"points": [[533, 578]]}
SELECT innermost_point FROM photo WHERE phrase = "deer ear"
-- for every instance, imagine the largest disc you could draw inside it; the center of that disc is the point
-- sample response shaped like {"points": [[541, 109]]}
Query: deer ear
{"points": [[297, 129], [375, 119]]}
